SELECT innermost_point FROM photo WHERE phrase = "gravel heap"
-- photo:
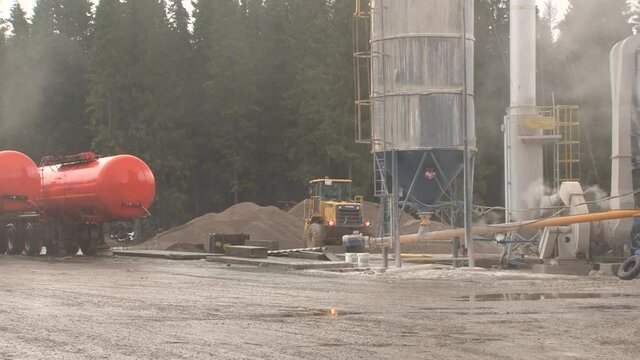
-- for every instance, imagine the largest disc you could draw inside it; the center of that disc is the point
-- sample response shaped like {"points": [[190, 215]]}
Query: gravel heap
{"points": [[261, 223]]}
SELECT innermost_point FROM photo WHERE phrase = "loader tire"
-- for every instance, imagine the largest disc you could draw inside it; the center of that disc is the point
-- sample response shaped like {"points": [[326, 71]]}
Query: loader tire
{"points": [[630, 268], [15, 243], [317, 235], [32, 240]]}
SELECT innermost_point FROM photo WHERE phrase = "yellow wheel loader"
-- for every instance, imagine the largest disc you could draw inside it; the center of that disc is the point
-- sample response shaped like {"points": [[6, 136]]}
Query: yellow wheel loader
{"points": [[330, 212]]}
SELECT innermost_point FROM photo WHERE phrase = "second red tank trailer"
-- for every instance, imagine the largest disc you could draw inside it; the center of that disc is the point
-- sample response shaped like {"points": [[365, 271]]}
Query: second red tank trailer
{"points": [[76, 195]]}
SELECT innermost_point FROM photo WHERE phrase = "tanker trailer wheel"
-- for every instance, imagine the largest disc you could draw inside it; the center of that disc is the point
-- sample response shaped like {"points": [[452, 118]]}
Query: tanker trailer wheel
{"points": [[54, 242], [71, 246], [630, 268], [15, 243], [32, 240], [317, 235], [3, 243], [89, 240]]}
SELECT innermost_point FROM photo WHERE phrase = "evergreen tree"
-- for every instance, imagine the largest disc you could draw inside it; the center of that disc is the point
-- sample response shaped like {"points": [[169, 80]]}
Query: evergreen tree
{"points": [[179, 21], [17, 92], [158, 120], [222, 63], [74, 20], [44, 17], [491, 97], [109, 102], [309, 98], [56, 68], [19, 24], [272, 51]]}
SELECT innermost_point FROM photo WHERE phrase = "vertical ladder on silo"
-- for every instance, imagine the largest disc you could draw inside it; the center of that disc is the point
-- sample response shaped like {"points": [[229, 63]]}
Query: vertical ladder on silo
{"points": [[380, 174], [362, 70], [568, 147], [381, 191]]}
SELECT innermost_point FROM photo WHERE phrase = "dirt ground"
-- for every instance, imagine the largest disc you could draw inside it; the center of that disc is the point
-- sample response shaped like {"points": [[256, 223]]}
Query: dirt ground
{"points": [[129, 308]]}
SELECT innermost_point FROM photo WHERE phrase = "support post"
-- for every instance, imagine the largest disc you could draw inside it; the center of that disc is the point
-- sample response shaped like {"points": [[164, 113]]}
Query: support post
{"points": [[395, 231], [385, 257], [455, 247], [468, 172]]}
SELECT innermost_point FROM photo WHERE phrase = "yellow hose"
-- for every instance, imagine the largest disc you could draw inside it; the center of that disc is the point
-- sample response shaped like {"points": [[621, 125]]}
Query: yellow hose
{"points": [[515, 226]]}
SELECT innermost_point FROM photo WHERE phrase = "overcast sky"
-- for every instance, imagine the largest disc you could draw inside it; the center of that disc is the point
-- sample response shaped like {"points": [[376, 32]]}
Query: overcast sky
{"points": [[5, 5]]}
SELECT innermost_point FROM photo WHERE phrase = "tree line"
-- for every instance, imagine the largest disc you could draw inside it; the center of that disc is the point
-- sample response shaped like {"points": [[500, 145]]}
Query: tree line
{"points": [[248, 100]]}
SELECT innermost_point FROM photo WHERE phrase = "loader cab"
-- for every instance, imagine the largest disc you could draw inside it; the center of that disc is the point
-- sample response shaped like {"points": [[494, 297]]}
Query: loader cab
{"points": [[331, 189]]}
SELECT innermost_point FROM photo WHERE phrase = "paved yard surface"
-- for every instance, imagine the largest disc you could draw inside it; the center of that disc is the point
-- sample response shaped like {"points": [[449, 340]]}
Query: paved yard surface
{"points": [[129, 308]]}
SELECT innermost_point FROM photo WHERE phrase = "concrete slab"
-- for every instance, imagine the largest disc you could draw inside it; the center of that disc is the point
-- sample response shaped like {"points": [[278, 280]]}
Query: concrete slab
{"points": [[332, 257], [487, 261], [271, 245], [608, 268], [281, 263], [564, 267], [104, 252], [247, 251], [160, 254], [310, 255]]}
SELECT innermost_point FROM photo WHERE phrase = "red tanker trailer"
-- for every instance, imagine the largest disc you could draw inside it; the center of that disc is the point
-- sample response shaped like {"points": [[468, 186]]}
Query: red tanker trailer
{"points": [[81, 192], [64, 203], [19, 189]]}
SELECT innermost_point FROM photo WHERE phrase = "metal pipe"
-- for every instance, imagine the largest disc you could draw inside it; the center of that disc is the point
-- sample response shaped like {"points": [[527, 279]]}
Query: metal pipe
{"points": [[468, 173], [394, 208], [524, 160], [516, 226], [636, 88], [623, 62], [522, 29]]}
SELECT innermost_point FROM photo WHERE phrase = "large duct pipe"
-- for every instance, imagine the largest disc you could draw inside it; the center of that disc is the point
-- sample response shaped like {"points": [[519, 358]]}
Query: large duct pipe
{"points": [[623, 81], [514, 226], [523, 158], [522, 28]]}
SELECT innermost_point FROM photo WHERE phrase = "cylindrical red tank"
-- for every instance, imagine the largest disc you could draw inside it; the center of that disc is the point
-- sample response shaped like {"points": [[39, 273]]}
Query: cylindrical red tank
{"points": [[19, 182], [97, 190]]}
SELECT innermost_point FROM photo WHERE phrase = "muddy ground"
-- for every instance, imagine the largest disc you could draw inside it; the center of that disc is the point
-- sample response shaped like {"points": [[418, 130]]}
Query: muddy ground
{"points": [[130, 308]]}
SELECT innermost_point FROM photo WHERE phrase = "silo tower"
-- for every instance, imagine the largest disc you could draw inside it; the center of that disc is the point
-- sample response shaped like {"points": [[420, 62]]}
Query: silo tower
{"points": [[421, 80]]}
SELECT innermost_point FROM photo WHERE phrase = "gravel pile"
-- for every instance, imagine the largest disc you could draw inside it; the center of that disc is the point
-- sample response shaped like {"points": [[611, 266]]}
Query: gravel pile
{"points": [[261, 223]]}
